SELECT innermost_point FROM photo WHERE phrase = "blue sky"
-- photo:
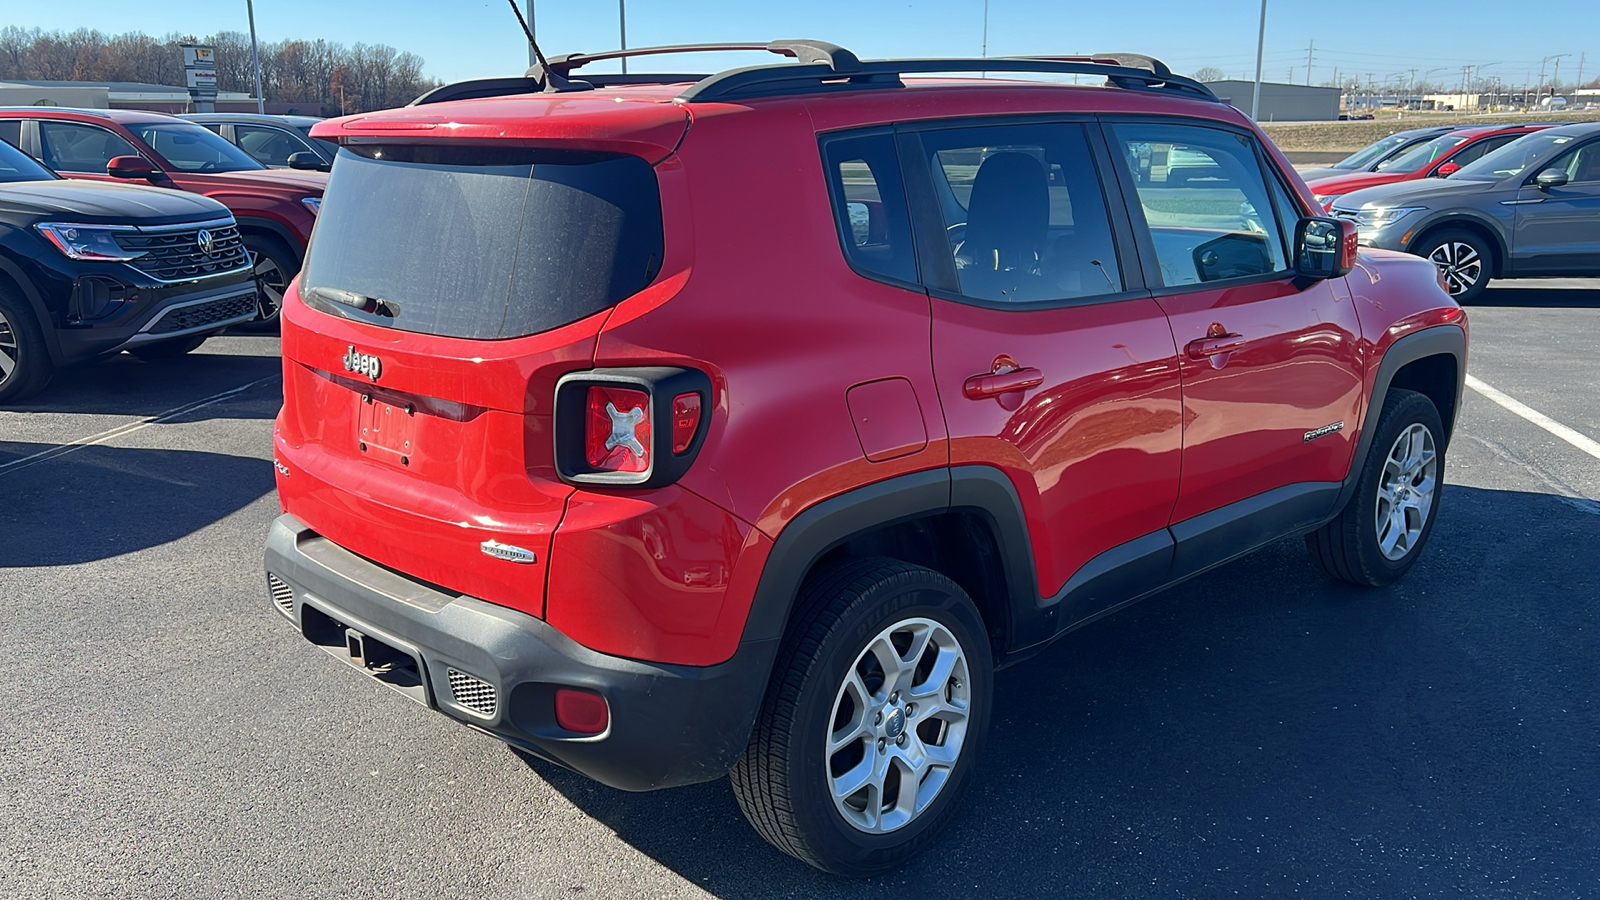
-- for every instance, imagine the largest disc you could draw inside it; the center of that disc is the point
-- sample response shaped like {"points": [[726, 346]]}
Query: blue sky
{"points": [[471, 38]]}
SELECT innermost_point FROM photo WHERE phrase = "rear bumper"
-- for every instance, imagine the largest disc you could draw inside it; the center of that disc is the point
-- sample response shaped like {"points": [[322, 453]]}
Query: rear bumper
{"points": [[669, 725]]}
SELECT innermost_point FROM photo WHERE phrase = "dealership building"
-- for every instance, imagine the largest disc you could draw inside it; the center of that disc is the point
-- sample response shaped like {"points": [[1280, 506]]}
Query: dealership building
{"points": [[1280, 102], [164, 98]]}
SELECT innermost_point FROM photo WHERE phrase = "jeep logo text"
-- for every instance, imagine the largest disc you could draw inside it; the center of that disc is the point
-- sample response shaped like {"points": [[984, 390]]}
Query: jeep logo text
{"points": [[362, 363]]}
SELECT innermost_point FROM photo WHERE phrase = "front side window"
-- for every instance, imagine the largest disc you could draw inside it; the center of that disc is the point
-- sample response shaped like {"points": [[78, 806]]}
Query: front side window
{"points": [[1421, 156], [1205, 202], [74, 147], [870, 205], [1582, 165], [191, 148], [1024, 212]]}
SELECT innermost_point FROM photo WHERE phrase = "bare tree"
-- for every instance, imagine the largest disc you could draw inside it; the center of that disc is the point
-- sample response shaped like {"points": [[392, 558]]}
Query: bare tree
{"points": [[1209, 73]]}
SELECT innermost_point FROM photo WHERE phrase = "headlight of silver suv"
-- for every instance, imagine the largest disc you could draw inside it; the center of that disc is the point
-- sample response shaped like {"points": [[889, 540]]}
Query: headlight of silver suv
{"points": [[1375, 217], [90, 242]]}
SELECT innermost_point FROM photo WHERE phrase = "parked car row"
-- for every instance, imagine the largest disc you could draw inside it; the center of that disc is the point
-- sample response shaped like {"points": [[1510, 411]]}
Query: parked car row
{"points": [[1480, 202], [186, 234]]}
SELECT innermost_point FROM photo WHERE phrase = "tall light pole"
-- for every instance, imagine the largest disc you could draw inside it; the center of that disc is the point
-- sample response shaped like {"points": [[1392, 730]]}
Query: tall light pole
{"points": [[622, 28], [255, 57], [1261, 46], [985, 29], [532, 30], [1557, 57]]}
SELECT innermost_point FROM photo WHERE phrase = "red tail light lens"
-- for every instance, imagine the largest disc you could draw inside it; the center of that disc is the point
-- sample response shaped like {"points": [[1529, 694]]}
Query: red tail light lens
{"points": [[685, 420], [582, 711], [617, 435]]}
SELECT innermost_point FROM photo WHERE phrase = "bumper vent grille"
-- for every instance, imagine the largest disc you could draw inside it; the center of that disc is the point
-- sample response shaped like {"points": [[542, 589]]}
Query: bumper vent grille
{"points": [[203, 314], [473, 693], [177, 255], [282, 594]]}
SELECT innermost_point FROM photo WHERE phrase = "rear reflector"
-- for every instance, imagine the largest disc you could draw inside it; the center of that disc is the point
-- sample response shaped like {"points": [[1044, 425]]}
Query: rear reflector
{"points": [[617, 436], [685, 420], [582, 711]]}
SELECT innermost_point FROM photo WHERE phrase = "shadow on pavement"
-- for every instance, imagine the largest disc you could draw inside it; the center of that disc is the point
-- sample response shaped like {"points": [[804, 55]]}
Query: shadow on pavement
{"points": [[1539, 297], [1262, 732], [98, 502], [123, 385]]}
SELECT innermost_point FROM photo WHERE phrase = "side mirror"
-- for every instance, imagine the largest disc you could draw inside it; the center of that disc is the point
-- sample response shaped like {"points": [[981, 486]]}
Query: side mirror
{"points": [[305, 159], [1446, 170], [130, 167], [1551, 178], [1324, 248]]}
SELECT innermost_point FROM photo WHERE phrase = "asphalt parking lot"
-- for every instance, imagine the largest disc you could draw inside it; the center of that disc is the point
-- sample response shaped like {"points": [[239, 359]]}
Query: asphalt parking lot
{"points": [[1256, 733]]}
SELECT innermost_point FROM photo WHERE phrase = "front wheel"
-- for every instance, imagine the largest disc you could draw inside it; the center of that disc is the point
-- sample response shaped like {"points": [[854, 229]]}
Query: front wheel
{"points": [[1463, 258], [1381, 531], [274, 266], [873, 720], [25, 366]]}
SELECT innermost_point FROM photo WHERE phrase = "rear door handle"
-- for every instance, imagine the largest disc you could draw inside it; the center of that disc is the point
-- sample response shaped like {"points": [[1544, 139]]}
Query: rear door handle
{"points": [[981, 387], [1207, 347]]}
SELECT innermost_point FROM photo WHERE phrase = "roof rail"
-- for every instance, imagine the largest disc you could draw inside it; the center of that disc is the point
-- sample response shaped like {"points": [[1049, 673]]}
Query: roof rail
{"points": [[1121, 70], [818, 65]]}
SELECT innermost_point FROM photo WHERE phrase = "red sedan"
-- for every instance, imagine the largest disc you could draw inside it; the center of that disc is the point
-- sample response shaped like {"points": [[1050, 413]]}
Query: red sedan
{"points": [[1437, 158]]}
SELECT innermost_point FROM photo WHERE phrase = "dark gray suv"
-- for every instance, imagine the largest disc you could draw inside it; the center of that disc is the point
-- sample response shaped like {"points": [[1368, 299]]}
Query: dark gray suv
{"points": [[1528, 210]]}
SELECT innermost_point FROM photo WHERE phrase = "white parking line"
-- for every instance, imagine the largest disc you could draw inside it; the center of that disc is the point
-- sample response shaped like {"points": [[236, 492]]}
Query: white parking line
{"points": [[1582, 442], [63, 449]]}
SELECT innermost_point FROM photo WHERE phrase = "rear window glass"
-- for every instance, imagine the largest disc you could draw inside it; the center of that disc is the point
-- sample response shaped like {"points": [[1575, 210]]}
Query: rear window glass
{"points": [[479, 242]]}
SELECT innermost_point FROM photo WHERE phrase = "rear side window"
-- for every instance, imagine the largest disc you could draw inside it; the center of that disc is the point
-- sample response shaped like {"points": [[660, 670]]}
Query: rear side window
{"points": [[1024, 212], [1205, 202], [478, 242], [870, 205]]}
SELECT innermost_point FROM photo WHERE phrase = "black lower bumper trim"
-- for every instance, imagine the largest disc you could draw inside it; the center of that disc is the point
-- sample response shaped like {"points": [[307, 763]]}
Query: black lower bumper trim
{"points": [[670, 725]]}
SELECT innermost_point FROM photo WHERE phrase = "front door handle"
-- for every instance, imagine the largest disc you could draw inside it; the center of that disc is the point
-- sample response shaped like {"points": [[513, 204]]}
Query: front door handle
{"points": [[1215, 345], [994, 384]]}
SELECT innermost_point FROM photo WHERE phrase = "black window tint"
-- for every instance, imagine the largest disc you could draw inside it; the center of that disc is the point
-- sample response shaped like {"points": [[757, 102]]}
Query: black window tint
{"points": [[269, 146], [1024, 212], [1475, 152], [1205, 202], [71, 147], [480, 242], [869, 204], [11, 131]]}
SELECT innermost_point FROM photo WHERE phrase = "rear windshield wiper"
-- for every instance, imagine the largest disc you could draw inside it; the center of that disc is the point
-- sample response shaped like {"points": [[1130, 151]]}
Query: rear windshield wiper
{"points": [[343, 300]]}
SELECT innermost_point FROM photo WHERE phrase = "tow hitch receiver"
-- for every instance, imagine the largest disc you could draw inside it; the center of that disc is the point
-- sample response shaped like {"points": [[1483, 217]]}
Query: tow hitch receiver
{"points": [[395, 666]]}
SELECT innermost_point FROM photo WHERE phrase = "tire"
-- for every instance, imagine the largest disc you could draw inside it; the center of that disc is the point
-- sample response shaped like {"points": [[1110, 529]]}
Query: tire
{"points": [[275, 266], [830, 678], [169, 349], [25, 366], [1368, 544], [1464, 259]]}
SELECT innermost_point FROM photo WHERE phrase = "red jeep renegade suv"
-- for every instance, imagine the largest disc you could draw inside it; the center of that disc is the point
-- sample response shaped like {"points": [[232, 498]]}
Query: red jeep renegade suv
{"points": [[663, 426]]}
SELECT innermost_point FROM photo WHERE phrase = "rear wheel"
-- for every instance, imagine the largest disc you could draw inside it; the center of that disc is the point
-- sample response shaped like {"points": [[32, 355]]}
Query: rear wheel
{"points": [[1464, 260], [1381, 531], [275, 265], [873, 719], [25, 365], [168, 349]]}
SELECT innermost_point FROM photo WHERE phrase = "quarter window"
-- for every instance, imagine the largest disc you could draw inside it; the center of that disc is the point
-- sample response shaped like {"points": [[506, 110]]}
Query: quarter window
{"points": [[1024, 212], [870, 205], [71, 147], [1205, 202]]}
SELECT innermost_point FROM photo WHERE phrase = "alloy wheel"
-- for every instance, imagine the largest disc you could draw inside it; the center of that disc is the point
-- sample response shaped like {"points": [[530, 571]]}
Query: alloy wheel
{"points": [[9, 348], [1406, 491], [898, 726], [1461, 265], [274, 282]]}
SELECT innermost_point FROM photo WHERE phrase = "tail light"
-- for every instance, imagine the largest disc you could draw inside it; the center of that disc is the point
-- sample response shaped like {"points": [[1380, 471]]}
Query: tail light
{"points": [[638, 427]]}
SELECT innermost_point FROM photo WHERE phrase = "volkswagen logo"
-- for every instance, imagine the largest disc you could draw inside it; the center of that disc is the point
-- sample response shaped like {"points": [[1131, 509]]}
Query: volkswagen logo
{"points": [[206, 242]]}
